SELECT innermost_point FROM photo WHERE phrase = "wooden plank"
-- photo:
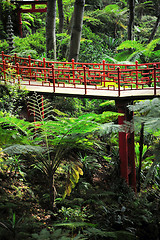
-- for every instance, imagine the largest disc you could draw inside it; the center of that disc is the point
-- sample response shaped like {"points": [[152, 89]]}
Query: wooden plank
{"points": [[79, 91], [95, 93]]}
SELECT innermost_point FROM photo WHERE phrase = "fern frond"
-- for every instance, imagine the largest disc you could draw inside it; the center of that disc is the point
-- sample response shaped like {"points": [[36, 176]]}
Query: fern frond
{"points": [[24, 150], [151, 46], [74, 169], [111, 8], [148, 111], [20, 125], [131, 44], [41, 109], [135, 55]]}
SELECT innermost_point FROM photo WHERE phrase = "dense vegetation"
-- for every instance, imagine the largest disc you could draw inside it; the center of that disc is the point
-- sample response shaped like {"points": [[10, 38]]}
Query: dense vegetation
{"points": [[59, 164]]}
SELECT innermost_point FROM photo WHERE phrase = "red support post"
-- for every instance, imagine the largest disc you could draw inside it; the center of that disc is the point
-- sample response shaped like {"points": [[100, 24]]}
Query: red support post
{"points": [[53, 75], [73, 72], [29, 63], [15, 58], [118, 69], [104, 79], [154, 69], [44, 65], [136, 63], [85, 84], [17, 68], [2, 56], [4, 69], [33, 6], [126, 144]]}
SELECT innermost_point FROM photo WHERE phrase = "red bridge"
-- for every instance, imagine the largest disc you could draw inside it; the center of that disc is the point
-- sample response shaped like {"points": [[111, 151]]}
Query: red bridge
{"points": [[99, 80], [120, 82]]}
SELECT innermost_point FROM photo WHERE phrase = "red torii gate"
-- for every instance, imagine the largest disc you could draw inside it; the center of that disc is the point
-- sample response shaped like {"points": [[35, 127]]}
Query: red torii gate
{"points": [[32, 9]]}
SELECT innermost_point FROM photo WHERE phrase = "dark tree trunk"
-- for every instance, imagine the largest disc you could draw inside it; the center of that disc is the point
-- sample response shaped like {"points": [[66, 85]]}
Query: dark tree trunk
{"points": [[131, 19], [61, 15], [155, 28], [52, 193], [140, 12], [51, 29], [76, 30]]}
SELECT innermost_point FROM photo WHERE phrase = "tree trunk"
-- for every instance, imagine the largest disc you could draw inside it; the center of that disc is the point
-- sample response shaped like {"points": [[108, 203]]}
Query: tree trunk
{"points": [[51, 29], [140, 12], [155, 28], [61, 16], [1, 24], [76, 30], [52, 192], [131, 19]]}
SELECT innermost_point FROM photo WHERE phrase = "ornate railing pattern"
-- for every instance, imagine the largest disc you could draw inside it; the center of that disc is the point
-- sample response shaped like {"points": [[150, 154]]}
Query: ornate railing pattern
{"points": [[97, 76]]}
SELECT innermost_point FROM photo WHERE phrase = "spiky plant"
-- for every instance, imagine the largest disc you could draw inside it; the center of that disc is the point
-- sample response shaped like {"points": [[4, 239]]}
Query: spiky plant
{"points": [[55, 141], [61, 140]]}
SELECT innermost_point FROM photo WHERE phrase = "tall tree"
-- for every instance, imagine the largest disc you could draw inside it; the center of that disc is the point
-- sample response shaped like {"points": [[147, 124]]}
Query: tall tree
{"points": [[76, 29], [156, 12], [51, 29], [61, 15], [154, 30], [131, 19]]}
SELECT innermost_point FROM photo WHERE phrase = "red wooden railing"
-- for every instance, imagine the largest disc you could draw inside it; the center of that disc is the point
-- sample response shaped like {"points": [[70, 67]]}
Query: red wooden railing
{"points": [[87, 76]]}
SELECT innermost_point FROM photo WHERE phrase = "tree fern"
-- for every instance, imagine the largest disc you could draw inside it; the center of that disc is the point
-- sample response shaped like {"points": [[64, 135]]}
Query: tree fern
{"points": [[56, 142], [60, 139], [139, 49], [148, 111]]}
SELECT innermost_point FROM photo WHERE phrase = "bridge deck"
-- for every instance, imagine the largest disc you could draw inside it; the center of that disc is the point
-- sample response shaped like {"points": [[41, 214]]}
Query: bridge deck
{"points": [[91, 93]]}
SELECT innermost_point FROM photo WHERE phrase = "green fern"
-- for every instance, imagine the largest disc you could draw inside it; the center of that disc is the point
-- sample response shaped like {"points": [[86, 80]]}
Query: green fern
{"points": [[130, 44], [60, 140], [148, 111], [138, 49], [11, 122], [151, 46]]}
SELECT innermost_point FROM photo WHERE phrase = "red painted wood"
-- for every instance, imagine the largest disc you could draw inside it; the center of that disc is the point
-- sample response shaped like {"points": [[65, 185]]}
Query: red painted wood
{"points": [[97, 76], [126, 145], [115, 78], [97, 73], [31, 10]]}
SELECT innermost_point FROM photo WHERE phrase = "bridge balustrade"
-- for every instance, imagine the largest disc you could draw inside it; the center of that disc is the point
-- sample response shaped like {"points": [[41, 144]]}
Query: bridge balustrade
{"points": [[96, 76]]}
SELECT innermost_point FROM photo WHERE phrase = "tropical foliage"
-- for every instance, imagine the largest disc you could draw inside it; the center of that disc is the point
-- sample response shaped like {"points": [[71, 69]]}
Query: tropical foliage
{"points": [[59, 157]]}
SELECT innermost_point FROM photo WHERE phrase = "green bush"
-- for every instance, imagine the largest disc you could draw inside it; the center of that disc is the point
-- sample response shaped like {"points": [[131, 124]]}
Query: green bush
{"points": [[33, 45], [3, 46]]}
